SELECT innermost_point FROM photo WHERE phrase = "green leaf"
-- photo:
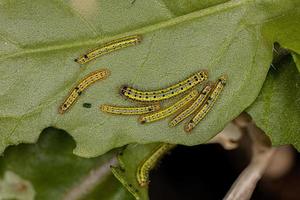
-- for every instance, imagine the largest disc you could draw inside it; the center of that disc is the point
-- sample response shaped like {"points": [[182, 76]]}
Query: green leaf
{"points": [[54, 172], [277, 108], [129, 160], [40, 39], [285, 30]]}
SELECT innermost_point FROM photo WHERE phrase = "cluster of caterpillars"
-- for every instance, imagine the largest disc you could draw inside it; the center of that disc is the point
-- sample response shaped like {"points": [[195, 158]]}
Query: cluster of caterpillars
{"points": [[193, 102]]}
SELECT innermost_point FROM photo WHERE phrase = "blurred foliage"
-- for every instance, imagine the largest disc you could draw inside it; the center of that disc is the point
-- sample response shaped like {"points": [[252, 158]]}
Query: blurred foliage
{"points": [[53, 170], [277, 108]]}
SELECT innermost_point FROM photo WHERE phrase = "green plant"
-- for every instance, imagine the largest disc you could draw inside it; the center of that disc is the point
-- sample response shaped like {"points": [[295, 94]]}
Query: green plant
{"points": [[40, 39]]}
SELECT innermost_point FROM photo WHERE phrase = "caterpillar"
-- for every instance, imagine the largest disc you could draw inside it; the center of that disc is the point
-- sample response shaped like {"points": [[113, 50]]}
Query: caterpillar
{"points": [[81, 86], [129, 110], [109, 47], [150, 162], [166, 93], [192, 108], [218, 87], [118, 174], [169, 110]]}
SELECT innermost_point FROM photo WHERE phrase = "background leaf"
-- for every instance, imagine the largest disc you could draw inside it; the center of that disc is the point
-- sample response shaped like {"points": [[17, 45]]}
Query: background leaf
{"points": [[286, 25], [39, 41], [277, 108], [129, 161], [54, 171]]}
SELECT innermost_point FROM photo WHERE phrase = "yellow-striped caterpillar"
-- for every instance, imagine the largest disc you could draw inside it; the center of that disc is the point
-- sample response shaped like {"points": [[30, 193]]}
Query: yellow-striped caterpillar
{"points": [[192, 108], [169, 110], [129, 110], [150, 162], [166, 93], [81, 86], [218, 87], [118, 173], [109, 47]]}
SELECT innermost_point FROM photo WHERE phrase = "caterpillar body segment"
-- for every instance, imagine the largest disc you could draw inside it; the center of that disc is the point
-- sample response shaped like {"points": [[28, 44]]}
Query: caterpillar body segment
{"points": [[109, 47], [129, 110], [166, 93], [169, 110], [92, 78], [81, 86], [151, 161], [218, 87], [193, 107], [118, 173], [69, 101]]}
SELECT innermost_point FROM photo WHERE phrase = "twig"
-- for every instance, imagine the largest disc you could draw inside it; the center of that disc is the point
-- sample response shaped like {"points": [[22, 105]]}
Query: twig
{"points": [[262, 154], [90, 181], [245, 184]]}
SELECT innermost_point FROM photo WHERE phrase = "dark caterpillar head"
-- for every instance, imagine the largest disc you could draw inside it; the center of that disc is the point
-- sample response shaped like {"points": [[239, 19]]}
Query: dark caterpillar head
{"points": [[142, 120], [123, 89], [223, 79]]}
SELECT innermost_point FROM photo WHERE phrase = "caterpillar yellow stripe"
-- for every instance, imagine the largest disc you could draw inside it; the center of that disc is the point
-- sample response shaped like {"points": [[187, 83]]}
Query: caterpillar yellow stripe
{"points": [[150, 162], [109, 47], [169, 110], [129, 110], [192, 108], [219, 85], [169, 92], [81, 86]]}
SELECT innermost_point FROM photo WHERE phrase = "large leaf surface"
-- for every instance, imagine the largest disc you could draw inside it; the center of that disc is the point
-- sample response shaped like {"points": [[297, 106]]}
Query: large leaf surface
{"points": [[40, 39], [55, 173]]}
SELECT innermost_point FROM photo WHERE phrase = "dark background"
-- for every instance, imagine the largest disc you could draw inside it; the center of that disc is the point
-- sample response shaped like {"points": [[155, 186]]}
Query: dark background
{"points": [[208, 171]]}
